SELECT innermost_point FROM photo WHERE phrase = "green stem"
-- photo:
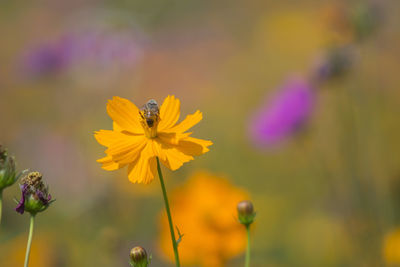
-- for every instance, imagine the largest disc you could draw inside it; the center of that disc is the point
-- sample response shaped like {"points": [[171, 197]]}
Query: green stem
{"points": [[247, 261], [171, 225], [28, 246]]}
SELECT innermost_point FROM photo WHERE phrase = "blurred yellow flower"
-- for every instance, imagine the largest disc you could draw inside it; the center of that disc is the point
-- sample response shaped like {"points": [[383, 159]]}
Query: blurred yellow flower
{"points": [[275, 34], [13, 252], [391, 247], [204, 210], [318, 239], [139, 136]]}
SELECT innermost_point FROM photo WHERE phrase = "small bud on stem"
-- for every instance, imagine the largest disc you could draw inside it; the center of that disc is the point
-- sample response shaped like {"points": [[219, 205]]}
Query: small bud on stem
{"points": [[246, 212], [8, 174], [138, 257], [246, 217]]}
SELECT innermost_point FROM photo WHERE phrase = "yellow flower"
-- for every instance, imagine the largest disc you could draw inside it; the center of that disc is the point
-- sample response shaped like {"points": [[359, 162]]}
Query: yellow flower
{"points": [[139, 136], [204, 210], [391, 247]]}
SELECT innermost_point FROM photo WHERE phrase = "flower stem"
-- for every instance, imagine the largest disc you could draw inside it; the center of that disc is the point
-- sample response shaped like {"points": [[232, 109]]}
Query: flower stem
{"points": [[171, 225], [247, 260], [28, 246]]}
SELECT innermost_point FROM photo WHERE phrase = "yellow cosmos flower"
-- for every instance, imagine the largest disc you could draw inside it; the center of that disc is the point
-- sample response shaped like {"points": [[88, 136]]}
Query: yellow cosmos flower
{"points": [[139, 136], [204, 210]]}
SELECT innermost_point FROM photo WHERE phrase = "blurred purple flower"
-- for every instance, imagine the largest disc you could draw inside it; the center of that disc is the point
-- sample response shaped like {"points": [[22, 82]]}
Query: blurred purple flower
{"points": [[91, 49], [284, 114], [48, 57]]}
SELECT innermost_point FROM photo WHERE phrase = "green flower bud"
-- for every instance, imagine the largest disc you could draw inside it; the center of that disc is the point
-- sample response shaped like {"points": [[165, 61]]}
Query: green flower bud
{"points": [[8, 174], [138, 257], [246, 212]]}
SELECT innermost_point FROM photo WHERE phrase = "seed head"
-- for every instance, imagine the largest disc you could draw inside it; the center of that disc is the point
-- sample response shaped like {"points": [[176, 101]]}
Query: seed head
{"points": [[35, 194]]}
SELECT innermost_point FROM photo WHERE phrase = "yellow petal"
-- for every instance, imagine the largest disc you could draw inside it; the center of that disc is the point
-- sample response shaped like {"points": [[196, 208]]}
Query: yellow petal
{"points": [[169, 112], [106, 137], [194, 146], [125, 114], [144, 168], [109, 165], [116, 127], [157, 150], [172, 138], [126, 148], [170, 156], [187, 123]]}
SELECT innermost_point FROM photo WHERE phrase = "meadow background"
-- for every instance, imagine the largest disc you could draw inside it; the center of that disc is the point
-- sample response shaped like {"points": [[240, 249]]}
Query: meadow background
{"points": [[326, 195]]}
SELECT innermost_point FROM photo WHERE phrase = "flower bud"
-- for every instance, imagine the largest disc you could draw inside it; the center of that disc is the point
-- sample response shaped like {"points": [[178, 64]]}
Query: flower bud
{"points": [[246, 212], [336, 63], [35, 194], [138, 257], [8, 174]]}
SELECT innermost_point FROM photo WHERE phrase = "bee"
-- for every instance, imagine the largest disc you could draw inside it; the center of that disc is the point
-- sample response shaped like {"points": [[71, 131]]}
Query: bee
{"points": [[150, 112]]}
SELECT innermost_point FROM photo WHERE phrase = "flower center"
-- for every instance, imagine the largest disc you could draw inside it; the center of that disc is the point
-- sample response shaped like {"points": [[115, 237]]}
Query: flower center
{"points": [[150, 115]]}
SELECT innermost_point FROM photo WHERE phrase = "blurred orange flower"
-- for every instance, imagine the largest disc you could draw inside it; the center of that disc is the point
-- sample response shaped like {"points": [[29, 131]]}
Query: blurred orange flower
{"points": [[204, 209], [139, 136], [391, 247], [13, 252]]}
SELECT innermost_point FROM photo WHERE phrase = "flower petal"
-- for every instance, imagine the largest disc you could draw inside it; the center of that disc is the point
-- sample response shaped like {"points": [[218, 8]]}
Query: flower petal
{"points": [[116, 127], [21, 204], [157, 150], [170, 156], [109, 165], [187, 123], [172, 138], [169, 112], [106, 137], [125, 114], [194, 146], [126, 148], [144, 168]]}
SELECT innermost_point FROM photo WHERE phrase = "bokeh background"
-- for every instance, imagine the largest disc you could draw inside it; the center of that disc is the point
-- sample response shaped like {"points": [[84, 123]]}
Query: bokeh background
{"points": [[326, 190]]}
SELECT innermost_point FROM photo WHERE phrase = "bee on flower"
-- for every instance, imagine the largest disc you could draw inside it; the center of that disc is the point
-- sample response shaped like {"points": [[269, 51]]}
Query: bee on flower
{"points": [[140, 136]]}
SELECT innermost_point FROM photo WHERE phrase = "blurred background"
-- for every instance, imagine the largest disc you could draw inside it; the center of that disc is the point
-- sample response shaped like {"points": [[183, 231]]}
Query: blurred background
{"points": [[301, 100]]}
